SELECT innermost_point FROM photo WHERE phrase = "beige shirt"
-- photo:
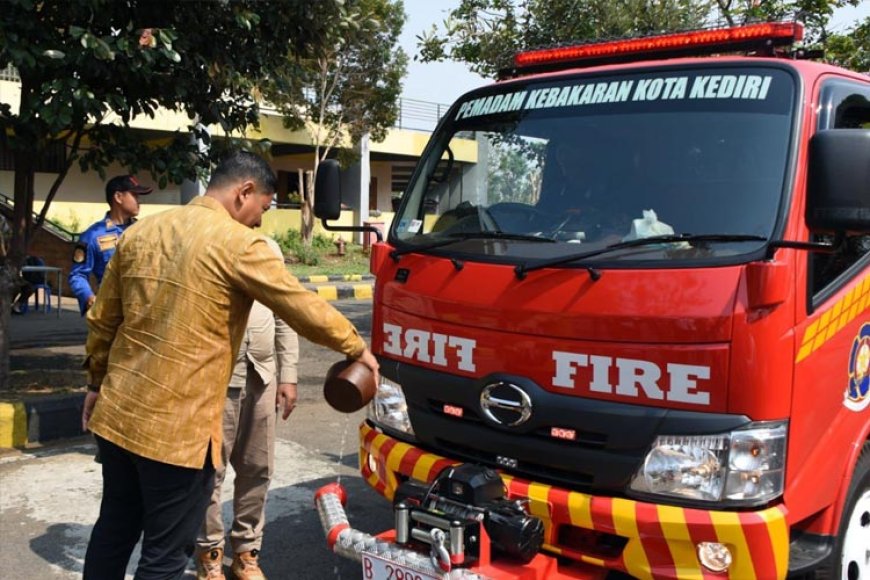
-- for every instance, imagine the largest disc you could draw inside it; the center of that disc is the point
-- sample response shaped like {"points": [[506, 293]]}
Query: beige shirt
{"points": [[270, 345], [168, 321]]}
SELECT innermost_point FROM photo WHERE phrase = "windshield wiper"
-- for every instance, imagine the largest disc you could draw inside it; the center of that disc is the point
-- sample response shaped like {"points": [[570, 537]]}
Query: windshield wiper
{"points": [[462, 236], [523, 269], [500, 235]]}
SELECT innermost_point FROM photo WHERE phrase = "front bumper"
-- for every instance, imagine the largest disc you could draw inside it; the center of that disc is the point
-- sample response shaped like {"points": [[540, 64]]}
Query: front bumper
{"points": [[644, 540]]}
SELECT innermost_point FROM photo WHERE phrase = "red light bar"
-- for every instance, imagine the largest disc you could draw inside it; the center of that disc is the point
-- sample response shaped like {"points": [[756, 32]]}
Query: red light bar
{"points": [[753, 36]]}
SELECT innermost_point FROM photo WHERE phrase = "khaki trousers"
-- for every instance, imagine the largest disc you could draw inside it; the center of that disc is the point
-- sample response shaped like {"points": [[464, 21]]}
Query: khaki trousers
{"points": [[249, 446]]}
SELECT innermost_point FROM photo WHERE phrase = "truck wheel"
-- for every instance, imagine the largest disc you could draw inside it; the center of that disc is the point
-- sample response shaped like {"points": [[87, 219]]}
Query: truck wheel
{"points": [[851, 557]]}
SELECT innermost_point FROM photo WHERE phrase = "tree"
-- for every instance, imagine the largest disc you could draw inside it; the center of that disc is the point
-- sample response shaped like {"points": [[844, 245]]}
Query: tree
{"points": [[486, 34], [352, 86], [88, 67], [851, 50]]}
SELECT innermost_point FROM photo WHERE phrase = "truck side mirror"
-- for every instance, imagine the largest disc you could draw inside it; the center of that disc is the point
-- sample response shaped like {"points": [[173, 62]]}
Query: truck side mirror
{"points": [[327, 199], [838, 182], [327, 190]]}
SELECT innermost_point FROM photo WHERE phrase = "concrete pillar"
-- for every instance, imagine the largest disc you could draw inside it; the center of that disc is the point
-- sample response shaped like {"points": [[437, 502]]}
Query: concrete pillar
{"points": [[355, 186]]}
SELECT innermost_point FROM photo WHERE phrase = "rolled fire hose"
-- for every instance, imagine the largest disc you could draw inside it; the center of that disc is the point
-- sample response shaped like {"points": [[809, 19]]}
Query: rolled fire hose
{"points": [[350, 543]]}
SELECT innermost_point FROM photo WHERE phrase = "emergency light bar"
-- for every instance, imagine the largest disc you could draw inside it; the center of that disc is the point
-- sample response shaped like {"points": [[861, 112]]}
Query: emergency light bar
{"points": [[762, 37]]}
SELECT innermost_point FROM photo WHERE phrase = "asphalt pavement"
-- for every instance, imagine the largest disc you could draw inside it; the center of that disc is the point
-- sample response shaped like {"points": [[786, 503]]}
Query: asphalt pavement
{"points": [[50, 493]]}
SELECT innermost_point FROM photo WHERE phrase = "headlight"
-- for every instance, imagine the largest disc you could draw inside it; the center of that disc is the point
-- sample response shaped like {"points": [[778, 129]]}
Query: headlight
{"points": [[389, 408], [744, 467]]}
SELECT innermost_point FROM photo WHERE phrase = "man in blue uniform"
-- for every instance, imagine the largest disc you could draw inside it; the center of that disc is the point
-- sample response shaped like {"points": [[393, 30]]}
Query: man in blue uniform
{"points": [[97, 244]]}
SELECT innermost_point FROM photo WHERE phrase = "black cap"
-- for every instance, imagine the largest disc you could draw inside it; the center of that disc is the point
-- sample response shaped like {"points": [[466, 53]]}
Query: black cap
{"points": [[125, 183]]}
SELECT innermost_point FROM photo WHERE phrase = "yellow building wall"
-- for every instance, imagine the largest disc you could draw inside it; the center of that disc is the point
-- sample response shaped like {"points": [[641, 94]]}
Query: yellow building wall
{"points": [[80, 197]]}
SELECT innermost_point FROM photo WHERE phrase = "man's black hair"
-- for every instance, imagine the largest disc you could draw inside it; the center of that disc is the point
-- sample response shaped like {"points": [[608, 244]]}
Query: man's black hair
{"points": [[240, 165]]}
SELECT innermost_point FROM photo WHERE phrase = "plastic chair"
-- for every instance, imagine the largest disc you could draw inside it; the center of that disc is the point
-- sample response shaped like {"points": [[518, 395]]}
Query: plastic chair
{"points": [[46, 295]]}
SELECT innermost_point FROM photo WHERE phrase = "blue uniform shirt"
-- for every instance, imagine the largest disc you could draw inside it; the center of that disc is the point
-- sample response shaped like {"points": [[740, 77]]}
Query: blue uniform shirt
{"points": [[92, 253]]}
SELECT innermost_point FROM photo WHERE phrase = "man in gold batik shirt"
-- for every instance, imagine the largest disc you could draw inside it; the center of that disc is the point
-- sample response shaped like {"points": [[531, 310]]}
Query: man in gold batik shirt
{"points": [[163, 335]]}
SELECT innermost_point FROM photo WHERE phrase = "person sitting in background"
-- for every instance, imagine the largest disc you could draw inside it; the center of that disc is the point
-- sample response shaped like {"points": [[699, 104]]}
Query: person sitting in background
{"points": [[97, 244], [27, 284]]}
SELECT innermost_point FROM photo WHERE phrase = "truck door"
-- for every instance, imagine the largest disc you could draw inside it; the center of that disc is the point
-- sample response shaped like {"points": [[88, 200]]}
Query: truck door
{"points": [[831, 403]]}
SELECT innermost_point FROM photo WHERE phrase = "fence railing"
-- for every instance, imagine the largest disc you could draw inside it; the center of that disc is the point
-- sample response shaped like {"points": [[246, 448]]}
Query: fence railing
{"points": [[10, 73], [417, 114], [49, 225]]}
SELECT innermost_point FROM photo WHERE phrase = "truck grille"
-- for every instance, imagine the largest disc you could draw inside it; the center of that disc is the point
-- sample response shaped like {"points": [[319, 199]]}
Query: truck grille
{"points": [[581, 444]]}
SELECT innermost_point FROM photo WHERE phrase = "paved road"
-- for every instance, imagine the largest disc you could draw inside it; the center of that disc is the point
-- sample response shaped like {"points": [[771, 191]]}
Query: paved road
{"points": [[49, 498]]}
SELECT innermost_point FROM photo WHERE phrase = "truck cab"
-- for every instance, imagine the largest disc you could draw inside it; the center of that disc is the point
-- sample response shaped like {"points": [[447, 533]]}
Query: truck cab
{"points": [[645, 307]]}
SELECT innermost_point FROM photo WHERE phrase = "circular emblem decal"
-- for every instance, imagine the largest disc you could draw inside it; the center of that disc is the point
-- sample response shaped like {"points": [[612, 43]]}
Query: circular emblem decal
{"points": [[858, 393], [505, 404]]}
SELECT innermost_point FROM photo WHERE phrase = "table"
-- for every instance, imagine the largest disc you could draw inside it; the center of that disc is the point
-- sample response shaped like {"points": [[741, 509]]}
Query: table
{"points": [[47, 270]]}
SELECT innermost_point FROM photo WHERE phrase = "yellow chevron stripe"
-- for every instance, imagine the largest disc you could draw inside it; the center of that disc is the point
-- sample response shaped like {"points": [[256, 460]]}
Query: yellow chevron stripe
{"points": [[729, 531], [841, 313], [625, 522], [865, 293], [777, 528], [423, 465], [838, 319], [372, 480], [539, 506], [580, 510], [673, 522], [807, 343], [856, 310], [392, 461], [318, 279], [353, 277]]}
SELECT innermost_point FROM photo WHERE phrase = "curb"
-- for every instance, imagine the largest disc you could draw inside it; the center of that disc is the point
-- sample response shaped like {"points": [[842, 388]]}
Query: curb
{"points": [[342, 292], [41, 420], [320, 279]]}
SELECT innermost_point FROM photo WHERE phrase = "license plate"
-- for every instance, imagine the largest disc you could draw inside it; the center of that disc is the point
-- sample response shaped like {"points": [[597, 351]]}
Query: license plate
{"points": [[376, 568]]}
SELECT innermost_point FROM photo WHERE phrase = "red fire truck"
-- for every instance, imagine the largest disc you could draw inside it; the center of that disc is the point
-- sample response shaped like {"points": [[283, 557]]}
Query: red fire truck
{"points": [[622, 321]]}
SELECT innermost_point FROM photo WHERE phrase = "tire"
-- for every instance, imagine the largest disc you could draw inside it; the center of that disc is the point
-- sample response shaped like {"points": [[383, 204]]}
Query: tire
{"points": [[851, 557]]}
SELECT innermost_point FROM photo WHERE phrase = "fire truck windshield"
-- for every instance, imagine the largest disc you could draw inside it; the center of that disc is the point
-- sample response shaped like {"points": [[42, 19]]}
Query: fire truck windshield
{"points": [[598, 160]]}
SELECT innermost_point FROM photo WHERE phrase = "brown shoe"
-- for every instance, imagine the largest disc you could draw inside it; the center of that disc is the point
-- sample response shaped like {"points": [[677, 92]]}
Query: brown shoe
{"points": [[210, 565], [245, 566]]}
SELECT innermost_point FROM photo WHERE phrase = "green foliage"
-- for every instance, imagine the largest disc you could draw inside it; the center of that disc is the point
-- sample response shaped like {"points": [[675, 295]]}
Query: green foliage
{"points": [[355, 261], [72, 223], [851, 50], [293, 246], [87, 70], [485, 34], [351, 83], [353, 80]]}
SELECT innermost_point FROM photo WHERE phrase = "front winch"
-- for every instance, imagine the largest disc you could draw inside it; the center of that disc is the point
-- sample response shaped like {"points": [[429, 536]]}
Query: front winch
{"points": [[447, 516]]}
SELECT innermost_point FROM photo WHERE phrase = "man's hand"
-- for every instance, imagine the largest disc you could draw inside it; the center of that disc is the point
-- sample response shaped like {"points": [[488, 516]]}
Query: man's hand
{"points": [[285, 399], [368, 359], [90, 302], [88, 408]]}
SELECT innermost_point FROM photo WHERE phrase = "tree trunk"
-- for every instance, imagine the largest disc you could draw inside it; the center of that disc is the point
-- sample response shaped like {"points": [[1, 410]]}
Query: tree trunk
{"points": [[22, 218], [8, 276]]}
